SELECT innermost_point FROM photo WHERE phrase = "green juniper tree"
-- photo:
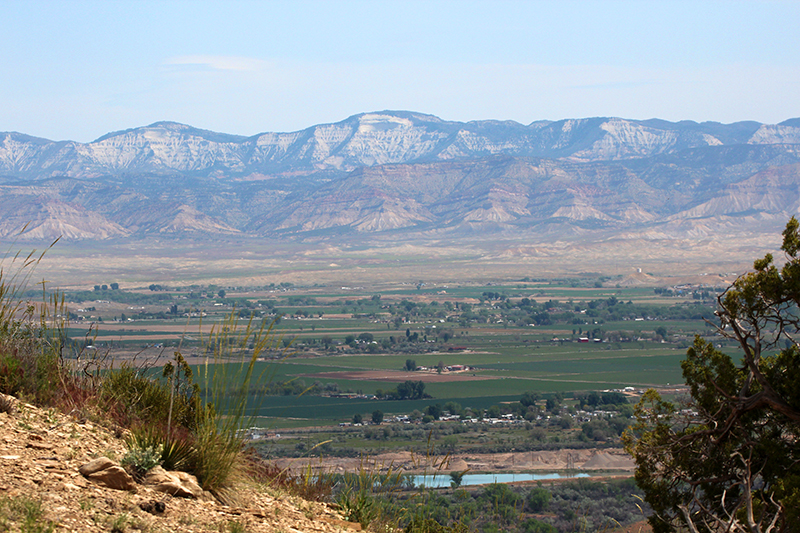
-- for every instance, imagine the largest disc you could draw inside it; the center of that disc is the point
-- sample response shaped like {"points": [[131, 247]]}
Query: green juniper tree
{"points": [[728, 458]]}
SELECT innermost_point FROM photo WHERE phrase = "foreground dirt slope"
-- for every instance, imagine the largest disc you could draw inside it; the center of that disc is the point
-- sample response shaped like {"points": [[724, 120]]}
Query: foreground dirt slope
{"points": [[41, 451]]}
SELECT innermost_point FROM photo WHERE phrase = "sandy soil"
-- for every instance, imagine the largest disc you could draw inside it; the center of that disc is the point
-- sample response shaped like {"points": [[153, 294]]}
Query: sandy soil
{"points": [[589, 460]]}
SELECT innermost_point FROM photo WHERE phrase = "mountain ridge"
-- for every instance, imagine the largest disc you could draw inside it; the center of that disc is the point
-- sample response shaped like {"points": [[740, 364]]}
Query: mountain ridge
{"points": [[367, 139], [407, 174]]}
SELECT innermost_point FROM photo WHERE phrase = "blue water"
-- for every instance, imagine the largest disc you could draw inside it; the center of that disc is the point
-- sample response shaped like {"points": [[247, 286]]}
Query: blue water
{"points": [[443, 480]]}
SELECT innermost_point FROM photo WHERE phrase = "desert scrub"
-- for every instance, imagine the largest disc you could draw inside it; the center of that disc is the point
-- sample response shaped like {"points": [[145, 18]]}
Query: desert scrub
{"points": [[197, 425], [194, 427], [35, 351], [136, 396]]}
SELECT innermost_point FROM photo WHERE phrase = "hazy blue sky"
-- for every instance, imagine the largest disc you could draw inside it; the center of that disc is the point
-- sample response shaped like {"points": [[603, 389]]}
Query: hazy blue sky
{"points": [[79, 69]]}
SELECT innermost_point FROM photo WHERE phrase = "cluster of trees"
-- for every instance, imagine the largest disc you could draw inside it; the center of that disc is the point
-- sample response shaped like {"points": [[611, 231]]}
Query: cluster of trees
{"points": [[414, 343], [377, 417], [560, 508], [601, 399], [117, 295], [408, 390], [697, 294], [524, 311]]}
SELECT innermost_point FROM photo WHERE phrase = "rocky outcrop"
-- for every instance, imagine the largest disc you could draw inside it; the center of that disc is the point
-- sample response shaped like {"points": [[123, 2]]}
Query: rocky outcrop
{"points": [[108, 473]]}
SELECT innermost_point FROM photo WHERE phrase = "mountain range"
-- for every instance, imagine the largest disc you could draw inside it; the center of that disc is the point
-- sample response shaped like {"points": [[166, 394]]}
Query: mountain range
{"points": [[395, 176]]}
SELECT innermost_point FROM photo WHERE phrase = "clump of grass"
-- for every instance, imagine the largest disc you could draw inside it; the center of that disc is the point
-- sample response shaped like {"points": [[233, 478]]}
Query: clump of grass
{"points": [[31, 347], [226, 380], [26, 513], [232, 526], [365, 496], [196, 427], [176, 446], [118, 523], [358, 504], [34, 346]]}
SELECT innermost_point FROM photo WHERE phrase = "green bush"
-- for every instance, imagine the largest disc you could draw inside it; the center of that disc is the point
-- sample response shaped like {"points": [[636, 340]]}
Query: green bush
{"points": [[139, 460], [133, 397], [537, 500], [429, 525]]}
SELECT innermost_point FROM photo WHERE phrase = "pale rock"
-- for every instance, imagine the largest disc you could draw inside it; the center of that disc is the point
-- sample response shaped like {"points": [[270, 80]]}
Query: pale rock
{"points": [[95, 465], [106, 472], [178, 484]]}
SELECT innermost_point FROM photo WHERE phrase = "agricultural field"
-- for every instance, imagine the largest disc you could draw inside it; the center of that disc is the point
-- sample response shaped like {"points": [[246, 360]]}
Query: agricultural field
{"points": [[336, 352]]}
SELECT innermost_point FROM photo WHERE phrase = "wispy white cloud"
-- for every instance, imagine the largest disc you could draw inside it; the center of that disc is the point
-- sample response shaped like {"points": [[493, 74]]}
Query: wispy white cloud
{"points": [[228, 63]]}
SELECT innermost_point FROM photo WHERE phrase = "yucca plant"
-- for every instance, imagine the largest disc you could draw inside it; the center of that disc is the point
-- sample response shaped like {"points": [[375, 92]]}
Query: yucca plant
{"points": [[176, 446], [225, 403]]}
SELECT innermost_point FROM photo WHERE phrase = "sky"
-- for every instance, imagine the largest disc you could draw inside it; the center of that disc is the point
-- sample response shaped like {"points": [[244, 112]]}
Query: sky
{"points": [[76, 70]]}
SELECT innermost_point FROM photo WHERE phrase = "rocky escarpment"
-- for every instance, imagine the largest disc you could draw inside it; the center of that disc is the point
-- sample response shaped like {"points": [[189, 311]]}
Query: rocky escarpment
{"points": [[368, 139], [42, 453]]}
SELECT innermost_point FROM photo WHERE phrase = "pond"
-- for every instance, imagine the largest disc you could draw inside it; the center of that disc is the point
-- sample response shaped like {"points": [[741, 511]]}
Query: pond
{"points": [[443, 480]]}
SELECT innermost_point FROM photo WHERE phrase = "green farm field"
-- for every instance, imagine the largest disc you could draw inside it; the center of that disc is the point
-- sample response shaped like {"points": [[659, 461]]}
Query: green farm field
{"points": [[507, 378], [515, 337]]}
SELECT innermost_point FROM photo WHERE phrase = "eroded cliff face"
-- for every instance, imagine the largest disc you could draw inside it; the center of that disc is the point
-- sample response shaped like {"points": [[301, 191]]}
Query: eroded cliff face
{"points": [[404, 172]]}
